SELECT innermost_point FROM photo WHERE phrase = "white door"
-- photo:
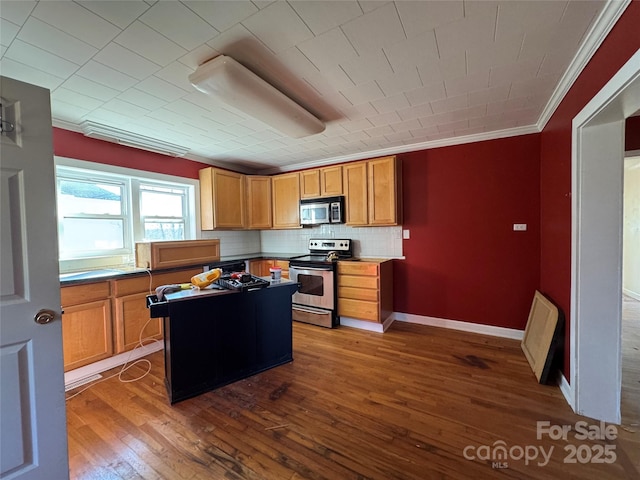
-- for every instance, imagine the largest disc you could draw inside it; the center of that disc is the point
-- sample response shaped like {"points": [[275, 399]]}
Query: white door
{"points": [[32, 405]]}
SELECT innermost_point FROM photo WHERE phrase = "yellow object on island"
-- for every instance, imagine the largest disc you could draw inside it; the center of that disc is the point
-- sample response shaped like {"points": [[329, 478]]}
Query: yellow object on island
{"points": [[205, 279]]}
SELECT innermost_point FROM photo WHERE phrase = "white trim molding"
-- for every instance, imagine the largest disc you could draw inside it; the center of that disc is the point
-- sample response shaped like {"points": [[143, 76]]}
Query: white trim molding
{"points": [[365, 325], [93, 369], [566, 389], [608, 17], [459, 325]]}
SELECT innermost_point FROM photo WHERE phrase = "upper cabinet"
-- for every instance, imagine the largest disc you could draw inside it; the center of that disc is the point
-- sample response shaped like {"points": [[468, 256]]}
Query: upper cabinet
{"points": [[310, 183], [372, 192], [285, 195], [321, 182], [258, 202], [384, 178], [222, 199], [354, 177]]}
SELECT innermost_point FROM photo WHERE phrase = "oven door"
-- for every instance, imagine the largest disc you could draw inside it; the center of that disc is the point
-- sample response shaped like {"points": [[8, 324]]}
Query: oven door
{"points": [[316, 286]]}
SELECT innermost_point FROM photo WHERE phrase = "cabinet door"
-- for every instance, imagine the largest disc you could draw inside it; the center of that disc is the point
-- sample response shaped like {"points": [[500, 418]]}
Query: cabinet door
{"points": [[285, 191], [284, 265], [355, 191], [222, 199], [86, 333], [258, 202], [383, 193], [331, 181], [131, 316], [310, 183], [229, 198]]}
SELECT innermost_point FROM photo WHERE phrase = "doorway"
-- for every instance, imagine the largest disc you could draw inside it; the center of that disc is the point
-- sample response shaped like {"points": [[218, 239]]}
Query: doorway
{"points": [[596, 252]]}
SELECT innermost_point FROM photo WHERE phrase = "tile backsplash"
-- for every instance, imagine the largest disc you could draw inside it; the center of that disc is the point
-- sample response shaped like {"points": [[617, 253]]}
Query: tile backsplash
{"points": [[235, 242], [367, 241]]}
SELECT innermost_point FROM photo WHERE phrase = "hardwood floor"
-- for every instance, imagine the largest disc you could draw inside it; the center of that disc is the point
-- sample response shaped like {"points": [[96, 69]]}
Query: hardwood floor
{"points": [[406, 404]]}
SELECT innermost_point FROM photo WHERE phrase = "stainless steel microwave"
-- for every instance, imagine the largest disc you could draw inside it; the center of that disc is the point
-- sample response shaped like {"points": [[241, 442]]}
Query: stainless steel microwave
{"points": [[318, 211]]}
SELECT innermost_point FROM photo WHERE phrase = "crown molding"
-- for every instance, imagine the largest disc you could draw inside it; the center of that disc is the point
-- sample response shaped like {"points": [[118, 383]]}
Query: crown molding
{"points": [[608, 17], [445, 142]]}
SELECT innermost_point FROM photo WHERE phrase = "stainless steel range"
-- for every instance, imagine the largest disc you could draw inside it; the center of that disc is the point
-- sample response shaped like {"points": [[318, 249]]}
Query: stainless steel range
{"points": [[316, 300]]}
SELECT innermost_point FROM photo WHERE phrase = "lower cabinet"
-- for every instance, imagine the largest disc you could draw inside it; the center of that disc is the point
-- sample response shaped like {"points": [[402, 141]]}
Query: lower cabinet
{"points": [[260, 268], [105, 318], [87, 333], [132, 322], [365, 290]]}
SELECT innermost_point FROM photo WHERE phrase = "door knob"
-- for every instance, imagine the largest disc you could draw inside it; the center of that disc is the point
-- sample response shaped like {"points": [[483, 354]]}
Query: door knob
{"points": [[45, 316]]}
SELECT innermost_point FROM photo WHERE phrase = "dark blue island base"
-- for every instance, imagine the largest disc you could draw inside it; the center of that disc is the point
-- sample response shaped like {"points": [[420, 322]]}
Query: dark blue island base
{"points": [[216, 337]]}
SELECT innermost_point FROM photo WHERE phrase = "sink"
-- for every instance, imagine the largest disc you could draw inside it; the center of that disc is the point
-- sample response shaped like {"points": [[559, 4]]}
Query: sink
{"points": [[90, 274]]}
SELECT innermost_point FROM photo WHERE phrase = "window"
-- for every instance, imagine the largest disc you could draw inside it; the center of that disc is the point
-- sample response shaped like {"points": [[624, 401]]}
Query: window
{"points": [[102, 214]]}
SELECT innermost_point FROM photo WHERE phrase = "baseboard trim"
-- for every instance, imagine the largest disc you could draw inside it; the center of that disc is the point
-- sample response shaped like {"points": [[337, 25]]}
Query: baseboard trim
{"points": [[566, 389], [459, 325], [631, 293], [79, 374], [369, 326]]}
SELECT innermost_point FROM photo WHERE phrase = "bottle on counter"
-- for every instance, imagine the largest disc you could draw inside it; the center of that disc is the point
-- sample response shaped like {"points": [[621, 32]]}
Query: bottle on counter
{"points": [[205, 279]]}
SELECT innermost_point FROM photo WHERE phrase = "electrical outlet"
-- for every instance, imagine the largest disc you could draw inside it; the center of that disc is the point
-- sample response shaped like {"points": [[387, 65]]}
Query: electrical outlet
{"points": [[519, 227], [406, 234]]}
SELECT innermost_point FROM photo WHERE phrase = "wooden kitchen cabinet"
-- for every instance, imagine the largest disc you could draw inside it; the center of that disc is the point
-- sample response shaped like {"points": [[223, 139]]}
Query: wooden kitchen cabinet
{"points": [[310, 183], [372, 191], [222, 199], [331, 181], [365, 290], [384, 178], [258, 190], [321, 182], [86, 324], [170, 254], [354, 177], [130, 307], [285, 194], [261, 268]]}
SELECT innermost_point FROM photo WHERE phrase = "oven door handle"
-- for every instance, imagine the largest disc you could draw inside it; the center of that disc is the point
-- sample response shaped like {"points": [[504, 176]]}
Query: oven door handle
{"points": [[319, 269]]}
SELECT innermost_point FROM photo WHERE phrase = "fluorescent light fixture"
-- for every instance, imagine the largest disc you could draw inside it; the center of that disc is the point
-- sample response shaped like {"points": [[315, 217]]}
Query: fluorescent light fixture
{"points": [[130, 139], [231, 83]]}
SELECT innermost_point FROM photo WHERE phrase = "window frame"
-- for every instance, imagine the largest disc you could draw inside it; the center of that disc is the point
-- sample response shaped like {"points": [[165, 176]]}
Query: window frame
{"points": [[134, 227]]}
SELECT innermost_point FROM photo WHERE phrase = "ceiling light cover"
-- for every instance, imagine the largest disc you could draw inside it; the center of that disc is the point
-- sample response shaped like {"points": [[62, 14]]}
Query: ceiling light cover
{"points": [[235, 85]]}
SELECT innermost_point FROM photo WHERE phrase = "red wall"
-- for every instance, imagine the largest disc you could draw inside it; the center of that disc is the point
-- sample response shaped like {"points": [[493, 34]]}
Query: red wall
{"points": [[75, 145], [555, 161], [463, 260]]}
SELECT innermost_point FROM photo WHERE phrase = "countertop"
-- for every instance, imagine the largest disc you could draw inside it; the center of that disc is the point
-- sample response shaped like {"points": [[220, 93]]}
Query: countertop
{"points": [[214, 290], [92, 276]]}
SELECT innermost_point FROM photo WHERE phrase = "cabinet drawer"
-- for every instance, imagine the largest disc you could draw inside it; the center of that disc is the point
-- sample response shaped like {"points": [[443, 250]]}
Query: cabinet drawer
{"points": [[77, 294], [358, 293], [360, 309], [139, 284], [358, 268], [359, 282]]}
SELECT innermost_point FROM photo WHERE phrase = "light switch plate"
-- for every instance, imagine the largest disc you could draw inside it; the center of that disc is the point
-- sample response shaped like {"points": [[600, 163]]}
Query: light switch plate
{"points": [[406, 234], [519, 227]]}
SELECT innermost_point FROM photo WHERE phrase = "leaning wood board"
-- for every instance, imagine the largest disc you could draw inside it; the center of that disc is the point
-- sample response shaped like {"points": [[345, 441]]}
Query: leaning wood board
{"points": [[540, 336]]}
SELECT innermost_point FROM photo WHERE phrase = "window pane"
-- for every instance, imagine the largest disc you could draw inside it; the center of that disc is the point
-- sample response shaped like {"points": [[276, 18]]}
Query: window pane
{"points": [[156, 204], [163, 230], [93, 198], [88, 234]]}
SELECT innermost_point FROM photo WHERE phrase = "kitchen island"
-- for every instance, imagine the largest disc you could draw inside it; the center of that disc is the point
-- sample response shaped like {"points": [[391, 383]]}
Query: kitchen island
{"points": [[215, 337]]}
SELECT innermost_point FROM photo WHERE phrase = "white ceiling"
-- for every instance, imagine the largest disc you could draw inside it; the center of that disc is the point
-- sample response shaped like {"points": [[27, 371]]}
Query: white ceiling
{"points": [[384, 76]]}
